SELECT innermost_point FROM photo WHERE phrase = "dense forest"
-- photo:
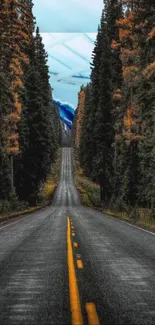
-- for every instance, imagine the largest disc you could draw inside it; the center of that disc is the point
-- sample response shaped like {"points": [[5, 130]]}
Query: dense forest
{"points": [[114, 125], [29, 121]]}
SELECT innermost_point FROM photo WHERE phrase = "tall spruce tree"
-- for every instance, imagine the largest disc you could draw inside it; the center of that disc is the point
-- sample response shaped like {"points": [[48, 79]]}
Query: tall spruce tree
{"points": [[145, 98], [123, 103], [103, 130], [94, 99], [85, 143], [38, 136], [30, 128], [5, 106], [129, 128], [6, 100], [79, 116], [135, 28], [15, 34]]}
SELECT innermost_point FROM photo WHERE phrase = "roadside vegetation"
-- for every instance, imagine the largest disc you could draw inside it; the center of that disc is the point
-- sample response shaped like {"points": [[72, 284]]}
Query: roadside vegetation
{"points": [[49, 187], [29, 119], [89, 191], [14, 208], [114, 125], [90, 197]]}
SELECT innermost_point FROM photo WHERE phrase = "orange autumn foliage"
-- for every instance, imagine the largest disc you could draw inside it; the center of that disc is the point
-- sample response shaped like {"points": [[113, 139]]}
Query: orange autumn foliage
{"points": [[80, 112], [13, 144], [131, 28], [115, 45], [131, 137], [128, 119], [17, 36], [151, 35], [129, 73], [124, 34], [14, 117], [117, 95], [15, 67], [129, 54], [18, 105], [17, 25], [149, 72], [16, 84]]}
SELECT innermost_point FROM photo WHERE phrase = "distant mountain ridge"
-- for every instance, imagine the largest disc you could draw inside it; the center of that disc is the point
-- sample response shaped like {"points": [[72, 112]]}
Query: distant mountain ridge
{"points": [[66, 112]]}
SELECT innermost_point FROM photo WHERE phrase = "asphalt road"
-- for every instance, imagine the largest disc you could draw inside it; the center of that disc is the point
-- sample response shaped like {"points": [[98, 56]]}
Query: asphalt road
{"points": [[69, 265]]}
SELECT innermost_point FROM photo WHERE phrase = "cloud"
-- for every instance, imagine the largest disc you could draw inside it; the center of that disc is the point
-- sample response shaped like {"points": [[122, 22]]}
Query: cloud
{"points": [[59, 16], [91, 5], [69, 54], [69, 62], [65, 92], [69, 30]]}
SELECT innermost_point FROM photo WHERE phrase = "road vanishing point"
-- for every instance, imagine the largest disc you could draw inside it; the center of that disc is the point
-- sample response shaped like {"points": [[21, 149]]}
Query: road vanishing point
{"points": [[70, 265]]}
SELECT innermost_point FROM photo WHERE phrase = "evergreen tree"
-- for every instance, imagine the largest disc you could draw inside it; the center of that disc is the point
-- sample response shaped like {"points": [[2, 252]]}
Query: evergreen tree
{"points": [[85, 144], [15, 35], [94, 99], [103, 130], [30, 128], [120, 101], [6, 105], [79, 115], [134, 30], [38, 136], [145, 98], [129, 128]]}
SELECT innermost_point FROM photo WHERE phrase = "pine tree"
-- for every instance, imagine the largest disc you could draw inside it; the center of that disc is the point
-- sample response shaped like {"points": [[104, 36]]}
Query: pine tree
{"points": [[79, 115], [6, 105], [113, 12], [30, 128], [129, 128], [73, 132], [18, 41], [38, 134], [85, 144], [94, 99], [121, 100], [145, 98], [15, 35], [103, 131]]}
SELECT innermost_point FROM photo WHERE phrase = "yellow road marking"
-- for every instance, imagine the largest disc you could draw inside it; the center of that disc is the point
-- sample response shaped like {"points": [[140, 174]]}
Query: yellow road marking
{"points": [[92, 314], [79, 264], [75, 244], [73, 287]]}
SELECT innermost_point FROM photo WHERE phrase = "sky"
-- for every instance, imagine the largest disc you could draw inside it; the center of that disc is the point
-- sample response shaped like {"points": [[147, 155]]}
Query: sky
{"points": [[68, 28]]}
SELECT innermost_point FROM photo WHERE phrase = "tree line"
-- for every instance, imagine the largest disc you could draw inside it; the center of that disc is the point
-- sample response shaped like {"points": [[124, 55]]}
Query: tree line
{"points": [[114, 125], [29, 121]]}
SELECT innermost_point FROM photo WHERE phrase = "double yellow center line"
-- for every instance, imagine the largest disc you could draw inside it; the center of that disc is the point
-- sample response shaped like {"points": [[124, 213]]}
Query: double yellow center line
{"points": [[73, 288], [75, 304]]}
